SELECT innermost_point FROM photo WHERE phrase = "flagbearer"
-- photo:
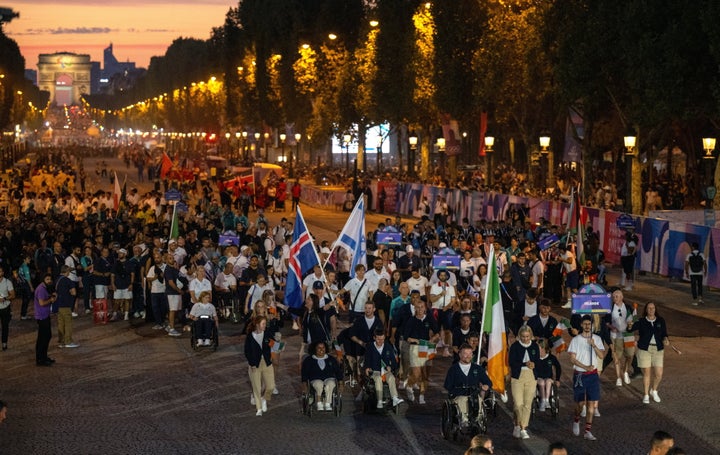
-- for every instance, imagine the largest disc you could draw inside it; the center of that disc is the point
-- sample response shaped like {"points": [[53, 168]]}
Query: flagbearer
{"points": [[465, 378]]}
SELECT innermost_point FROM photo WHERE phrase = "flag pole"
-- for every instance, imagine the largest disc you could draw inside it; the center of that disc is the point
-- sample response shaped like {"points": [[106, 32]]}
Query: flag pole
{"points": [[485, 301], [172, 222]]}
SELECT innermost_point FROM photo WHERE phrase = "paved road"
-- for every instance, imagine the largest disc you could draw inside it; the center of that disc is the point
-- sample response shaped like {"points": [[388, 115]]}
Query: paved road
{"points": [[129, 389]]}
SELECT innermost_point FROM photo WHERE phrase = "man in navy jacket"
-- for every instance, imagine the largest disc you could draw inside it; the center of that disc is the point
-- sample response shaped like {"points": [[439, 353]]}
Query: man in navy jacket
{"points": [[381, 360], [464, 378]]}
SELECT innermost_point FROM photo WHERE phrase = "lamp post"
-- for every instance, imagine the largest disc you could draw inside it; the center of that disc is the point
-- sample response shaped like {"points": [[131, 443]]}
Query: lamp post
{"points": [[237, 139], [630, 139], [378, 154], [544, 152], [266, 138], [441, 151], [244, 136], [298, 136], [227, 140], [489, 143], [709, 160], [413, 140], [346, 141], [283, 136], [257, 146]]}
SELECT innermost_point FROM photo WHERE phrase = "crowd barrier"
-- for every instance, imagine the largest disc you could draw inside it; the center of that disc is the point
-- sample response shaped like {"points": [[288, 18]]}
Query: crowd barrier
{"points": [[663, 247]]}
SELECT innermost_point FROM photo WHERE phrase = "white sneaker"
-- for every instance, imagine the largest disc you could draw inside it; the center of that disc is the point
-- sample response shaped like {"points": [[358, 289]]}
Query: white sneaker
{"points": [[421, 399], [252, 399], [504, 397], [319, 406], [74, 314], [264, 405], [576, 428], [410, 394], [646, 399], [589, 436], [328, 406], [136, 314], [200, 342], [524, 434], [142, 314], [584, 411], [258, 413], [402, 385], [380, 404], [596, 412], [157, 327], [516, 432], [655, 396], [127, 316], [397, 400], [174, 333], [567, 305], [626, 378], [618, 382], [275, 391], [87, 311], [542, 406]]}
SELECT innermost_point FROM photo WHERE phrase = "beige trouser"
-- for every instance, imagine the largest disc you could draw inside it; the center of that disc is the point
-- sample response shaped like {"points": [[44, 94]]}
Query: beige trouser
{"points": [[327, 385], [262, 374], [523, 392], [390, 379], [64, 322], [462, 403]]}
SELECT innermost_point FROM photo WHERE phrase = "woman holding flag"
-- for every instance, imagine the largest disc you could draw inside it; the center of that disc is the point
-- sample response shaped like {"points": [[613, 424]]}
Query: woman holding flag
{"points": [[420, 332]]}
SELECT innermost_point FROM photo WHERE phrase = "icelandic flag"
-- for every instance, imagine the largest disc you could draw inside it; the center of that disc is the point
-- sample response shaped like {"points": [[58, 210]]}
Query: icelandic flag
{"points": [[472, 292], [303, 258], [352, 237]]}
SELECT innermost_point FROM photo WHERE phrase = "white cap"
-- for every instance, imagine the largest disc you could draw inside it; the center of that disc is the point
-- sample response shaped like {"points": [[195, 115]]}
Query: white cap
{"points": [[409, 249], [325, 250]]}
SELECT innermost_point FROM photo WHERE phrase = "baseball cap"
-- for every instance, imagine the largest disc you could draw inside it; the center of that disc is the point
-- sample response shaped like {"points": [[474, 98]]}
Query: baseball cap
{"points": [[325, 250], [409, 249], [122, 250], [318, 285]]}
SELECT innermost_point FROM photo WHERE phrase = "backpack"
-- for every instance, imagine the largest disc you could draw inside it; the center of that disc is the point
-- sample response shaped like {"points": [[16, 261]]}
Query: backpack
{"points": [[696, 263]]}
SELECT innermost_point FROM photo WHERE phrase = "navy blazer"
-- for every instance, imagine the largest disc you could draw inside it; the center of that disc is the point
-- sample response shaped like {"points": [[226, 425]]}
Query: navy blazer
{"points": [[538, 330], [457, 384], [517, 354], [374, 359], [647, 329], [253, 351], [311, 371]]}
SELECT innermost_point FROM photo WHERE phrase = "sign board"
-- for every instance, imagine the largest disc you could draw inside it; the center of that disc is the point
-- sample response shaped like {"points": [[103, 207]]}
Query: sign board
{"points": [[389, 238], [548, 242], [181, 207], [228, 239], [625, 221], [446, 259], [591, 298], [173, 195]]}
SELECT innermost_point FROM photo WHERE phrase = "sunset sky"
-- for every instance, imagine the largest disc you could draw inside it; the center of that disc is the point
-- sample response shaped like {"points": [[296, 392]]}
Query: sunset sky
{"points": [[138, 29]]}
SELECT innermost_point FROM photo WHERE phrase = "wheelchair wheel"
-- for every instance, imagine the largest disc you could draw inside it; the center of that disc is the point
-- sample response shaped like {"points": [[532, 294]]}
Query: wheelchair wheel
{"points": [[337, 404], [482, 420], [215, 339], [490, 405], [304, 403], [554, 403], [447, 420]]}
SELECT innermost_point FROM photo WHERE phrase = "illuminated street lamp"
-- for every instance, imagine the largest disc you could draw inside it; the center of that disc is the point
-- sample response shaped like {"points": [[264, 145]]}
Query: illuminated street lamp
{"points": [[257, 145], [630, 140], [244, 136], [413, 140], [441, 151], [489, 143], [298, 136], [266, 137], [346, 141], [709, 160], [283, 136], [544, 152], [378, 155]]}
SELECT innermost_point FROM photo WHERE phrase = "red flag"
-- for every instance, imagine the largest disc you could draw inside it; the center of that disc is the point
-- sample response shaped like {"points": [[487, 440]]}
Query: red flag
{"points": [[166, 165], [117, 194]]}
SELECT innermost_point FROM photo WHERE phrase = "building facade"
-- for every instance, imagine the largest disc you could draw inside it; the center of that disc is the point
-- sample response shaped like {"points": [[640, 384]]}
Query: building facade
{"points": [[65, 75]]}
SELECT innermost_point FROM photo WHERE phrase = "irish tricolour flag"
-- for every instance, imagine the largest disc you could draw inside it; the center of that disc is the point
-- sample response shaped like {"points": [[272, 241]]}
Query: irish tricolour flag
{"points": [[426, 350], [494, 325]]}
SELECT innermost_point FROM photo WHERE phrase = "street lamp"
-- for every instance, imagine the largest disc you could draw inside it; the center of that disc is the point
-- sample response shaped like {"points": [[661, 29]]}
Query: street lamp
{"points": [[283, 136], [266, 137], [630, 140], [709, 160], [544, 152], [441, 151], [298, 136], [413, 140], [244, 135], [489, 143], [378, 154], [257, 145], [346, 141]]}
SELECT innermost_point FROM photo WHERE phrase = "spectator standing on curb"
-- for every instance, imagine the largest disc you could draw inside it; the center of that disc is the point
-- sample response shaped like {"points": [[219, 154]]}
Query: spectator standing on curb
{"points": [[42, 301], [695, 269], [296, 191], [66, 294], [627, 260], [7, 294]]}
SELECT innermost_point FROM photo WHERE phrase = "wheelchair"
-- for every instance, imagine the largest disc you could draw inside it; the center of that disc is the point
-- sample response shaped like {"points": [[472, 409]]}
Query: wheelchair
{"points": [[307, 400], [370, 397], [214, 335], [227, 306], [553, 402], [477, 417]]}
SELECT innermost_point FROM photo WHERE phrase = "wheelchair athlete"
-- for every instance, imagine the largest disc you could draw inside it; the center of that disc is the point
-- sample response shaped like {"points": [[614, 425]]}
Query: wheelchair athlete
{"points": [[323, 373], [381, 360], [204, 317], [464, 378]]}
